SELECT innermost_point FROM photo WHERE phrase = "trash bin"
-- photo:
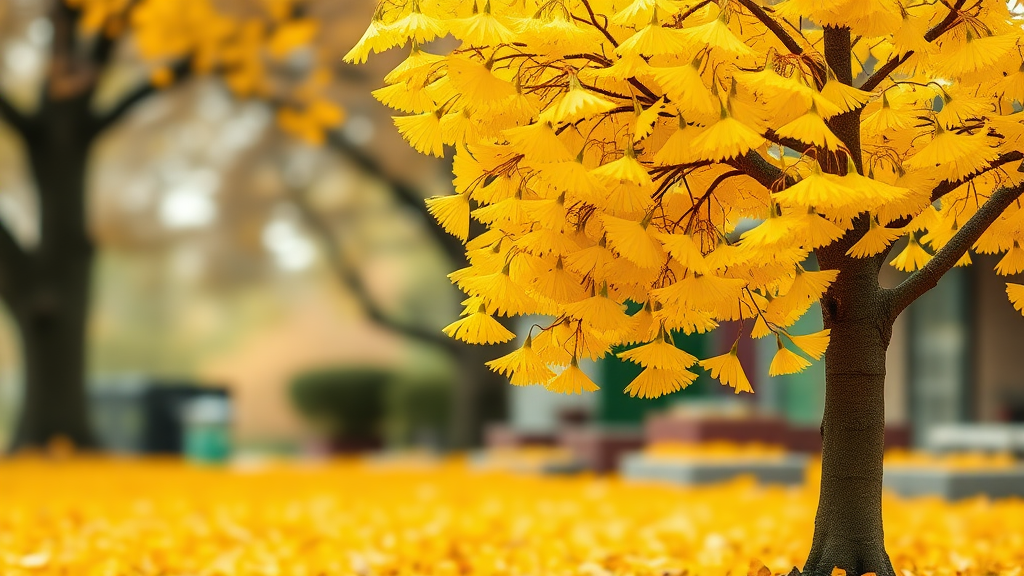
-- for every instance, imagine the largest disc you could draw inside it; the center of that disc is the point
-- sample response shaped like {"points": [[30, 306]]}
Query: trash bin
{"points": [[206, 429]]}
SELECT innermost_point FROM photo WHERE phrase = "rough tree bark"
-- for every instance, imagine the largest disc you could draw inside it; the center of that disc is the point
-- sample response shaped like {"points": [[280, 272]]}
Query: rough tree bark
{"points": [[848, 525]]}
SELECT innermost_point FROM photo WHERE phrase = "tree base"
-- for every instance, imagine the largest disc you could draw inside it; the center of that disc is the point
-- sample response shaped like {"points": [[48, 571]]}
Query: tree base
{"points": [[66, 440], [856, 558]]}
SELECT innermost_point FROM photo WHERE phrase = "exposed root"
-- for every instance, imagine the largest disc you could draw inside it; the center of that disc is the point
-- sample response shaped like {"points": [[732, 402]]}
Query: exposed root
{"points": [[856, 558]]}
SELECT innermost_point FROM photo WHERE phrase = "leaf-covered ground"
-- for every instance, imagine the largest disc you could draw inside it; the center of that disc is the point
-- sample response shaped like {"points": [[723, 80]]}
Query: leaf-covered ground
{"points": [[92, 517]]}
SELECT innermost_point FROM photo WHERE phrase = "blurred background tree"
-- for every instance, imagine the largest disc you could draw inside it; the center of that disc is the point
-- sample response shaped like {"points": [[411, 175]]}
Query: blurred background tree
{"points": [[195, 185]]}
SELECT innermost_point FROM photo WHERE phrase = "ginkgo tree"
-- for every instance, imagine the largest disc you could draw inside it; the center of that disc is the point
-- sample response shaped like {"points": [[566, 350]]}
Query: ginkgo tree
{"points": [[615, 149]]}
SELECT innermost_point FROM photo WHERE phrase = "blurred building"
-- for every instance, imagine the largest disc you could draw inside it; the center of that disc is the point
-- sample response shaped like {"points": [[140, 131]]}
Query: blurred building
{"points": [[956, 353]]}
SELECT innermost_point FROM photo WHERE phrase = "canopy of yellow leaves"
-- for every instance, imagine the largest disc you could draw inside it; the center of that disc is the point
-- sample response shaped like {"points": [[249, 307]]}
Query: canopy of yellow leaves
{"points": [[113, 518], [248, 44], [610, 147]]}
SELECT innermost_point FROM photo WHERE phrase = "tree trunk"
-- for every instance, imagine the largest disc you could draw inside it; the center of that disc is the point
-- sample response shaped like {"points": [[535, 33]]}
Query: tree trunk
{"points": [[51, 303], [848, 525], [52, 324]]}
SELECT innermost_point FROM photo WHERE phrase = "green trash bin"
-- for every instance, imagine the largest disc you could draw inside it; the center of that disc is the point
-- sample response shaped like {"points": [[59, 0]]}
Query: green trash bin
{"points": [[207, 430]]}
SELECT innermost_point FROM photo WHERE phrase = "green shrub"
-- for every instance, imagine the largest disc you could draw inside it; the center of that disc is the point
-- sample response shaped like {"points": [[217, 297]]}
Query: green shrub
{"points": [[366, 404], [418, 409], [346, 403]]}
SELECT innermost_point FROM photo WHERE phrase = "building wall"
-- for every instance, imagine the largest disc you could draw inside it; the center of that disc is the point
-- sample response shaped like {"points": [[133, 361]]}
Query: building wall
{"points": [[896, 374], [998, 381], [897, 361]]}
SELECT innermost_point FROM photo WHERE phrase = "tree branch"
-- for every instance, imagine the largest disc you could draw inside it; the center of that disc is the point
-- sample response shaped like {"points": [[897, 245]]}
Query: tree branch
{"points": [[755, 166], [946, 258], [14, 117], [945, 187], [941, 28], [772, 24], [346, 272], [179, 71], [105, 45], [889, 67], [405, 193], [791, 143], [603, 29], [691, 10], [883, 72]]}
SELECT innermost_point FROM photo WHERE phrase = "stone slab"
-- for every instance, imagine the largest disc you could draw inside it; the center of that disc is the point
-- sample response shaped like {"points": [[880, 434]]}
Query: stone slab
{"points": [[553, 465], [504, 436], [600, 448], [955, 484], [787, 470], [674, 428], [988, 437]]}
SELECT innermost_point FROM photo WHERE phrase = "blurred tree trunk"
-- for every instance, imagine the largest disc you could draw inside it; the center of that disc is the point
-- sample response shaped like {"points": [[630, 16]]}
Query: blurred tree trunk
{"points": [[46, 287], [51, 303], [50, 296]]}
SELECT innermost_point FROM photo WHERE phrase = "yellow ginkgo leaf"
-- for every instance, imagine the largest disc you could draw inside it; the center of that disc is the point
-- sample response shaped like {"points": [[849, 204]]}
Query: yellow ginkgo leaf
{"points": [[686, 88], [810, 128], [786, 361], [634, 242], [912, 258], [523, 367], [474, 80], [1013, 262], [377, 38], [874, 241], [656, 382], [959, 58], [1016, 294], [423, 132], [716, 36], [814, 345], [478, 328], [601, 313], [726, 139], [640, 12], [577, 103], [678, 149], [728, 370], [954, 155], [452, 213], [844, 96], [653, 40], [572, 380], [419, 27], [659, 354], [481, 29]]}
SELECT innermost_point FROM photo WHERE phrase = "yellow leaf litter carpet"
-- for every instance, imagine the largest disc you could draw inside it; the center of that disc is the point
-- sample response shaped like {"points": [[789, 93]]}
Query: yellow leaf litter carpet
{"points": [[85, 517]]}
